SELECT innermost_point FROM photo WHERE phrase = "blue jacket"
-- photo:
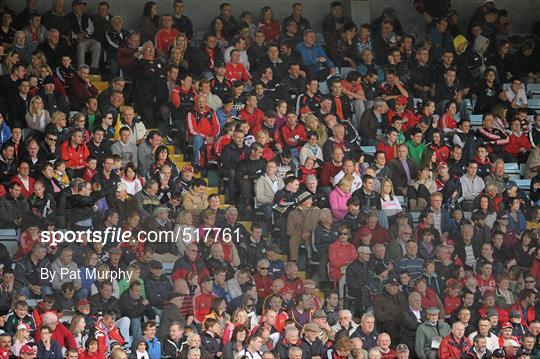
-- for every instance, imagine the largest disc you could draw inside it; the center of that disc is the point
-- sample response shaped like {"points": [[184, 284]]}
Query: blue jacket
{"points": [[310, 55], [517, 226], [154, 348], [5, 133]]}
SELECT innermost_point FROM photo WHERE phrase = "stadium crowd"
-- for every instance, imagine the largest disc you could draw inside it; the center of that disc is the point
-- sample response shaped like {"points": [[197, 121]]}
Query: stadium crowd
{"points": [[363, 203]]}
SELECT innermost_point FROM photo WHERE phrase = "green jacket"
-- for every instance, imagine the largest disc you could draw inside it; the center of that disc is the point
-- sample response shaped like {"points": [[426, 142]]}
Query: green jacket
{"points": [[425, 333], [415, 152]]}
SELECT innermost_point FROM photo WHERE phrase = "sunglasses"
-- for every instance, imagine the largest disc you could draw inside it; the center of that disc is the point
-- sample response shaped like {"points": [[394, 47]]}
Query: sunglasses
{"points": [[263, 268], [344, 234]]}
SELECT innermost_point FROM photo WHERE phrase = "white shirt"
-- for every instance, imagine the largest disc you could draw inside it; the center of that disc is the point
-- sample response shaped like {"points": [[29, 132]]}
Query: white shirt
{"points": [[492, 342], [521, 96]]}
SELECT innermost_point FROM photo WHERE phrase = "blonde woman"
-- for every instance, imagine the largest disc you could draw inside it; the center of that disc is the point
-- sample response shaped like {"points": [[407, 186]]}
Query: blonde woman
{"points": [[421, 189], [77, 328], [37, 117], [176, 57], [389, 202], [11, 58], [38, 60], [185, 229], [312, 123], [22, 336]]}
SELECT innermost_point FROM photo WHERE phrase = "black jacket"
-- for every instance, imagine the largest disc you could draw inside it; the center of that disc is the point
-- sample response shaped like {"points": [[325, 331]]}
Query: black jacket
{"points": [[170, 314], [170, 349], [317, 348], [358, 275], [158, 290], [200, 60], [26, 272], [98, 306], [232, 155], [407, 330], [210, 343], [250, 168], [134, 308]]}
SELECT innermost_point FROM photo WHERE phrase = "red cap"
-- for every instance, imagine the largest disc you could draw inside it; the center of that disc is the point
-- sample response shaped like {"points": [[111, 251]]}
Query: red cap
{"points": [[507, 325], [26, 349], [402, 100], [488, 293], [188, 168], [442, 164], [364, 231], [83, 302], [452, 282], [24, 326]]}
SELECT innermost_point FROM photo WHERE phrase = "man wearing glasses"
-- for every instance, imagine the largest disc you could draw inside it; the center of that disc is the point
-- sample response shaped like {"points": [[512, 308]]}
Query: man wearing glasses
{"points": [[263, 281], [397, 248]]}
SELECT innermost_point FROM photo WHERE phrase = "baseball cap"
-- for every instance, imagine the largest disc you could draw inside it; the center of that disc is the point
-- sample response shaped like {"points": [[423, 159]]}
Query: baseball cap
{"points": [[26, 349], [432, 310], [270, 113], [510, 184], [121, 187], [498, 353], [391, 281], [442, 164], [511, 342], [273, 247], [492, 312], [115, 250], [83, 302], [220, 64], [156, 264], [364, 231], [515, 314], [24, 326], [506, 325], [401, 100], [402, 348], [364, 249], [48, 80], [187, 168]]}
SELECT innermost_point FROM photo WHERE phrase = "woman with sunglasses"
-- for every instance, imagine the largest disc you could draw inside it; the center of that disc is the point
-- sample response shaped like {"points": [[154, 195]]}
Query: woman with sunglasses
{"points": [[341, 253]]}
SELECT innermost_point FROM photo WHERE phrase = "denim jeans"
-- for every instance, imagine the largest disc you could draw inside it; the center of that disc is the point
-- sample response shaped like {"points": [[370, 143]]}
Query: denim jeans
{"points": [[45, 290], [198, 143]]}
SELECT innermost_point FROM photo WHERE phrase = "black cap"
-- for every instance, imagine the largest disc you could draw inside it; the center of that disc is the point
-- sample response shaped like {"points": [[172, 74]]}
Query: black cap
{"points": [[48, 80], [78, 2], [155, 264], [498, 353], [270, 113], [392, 281], [220, 64]]}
